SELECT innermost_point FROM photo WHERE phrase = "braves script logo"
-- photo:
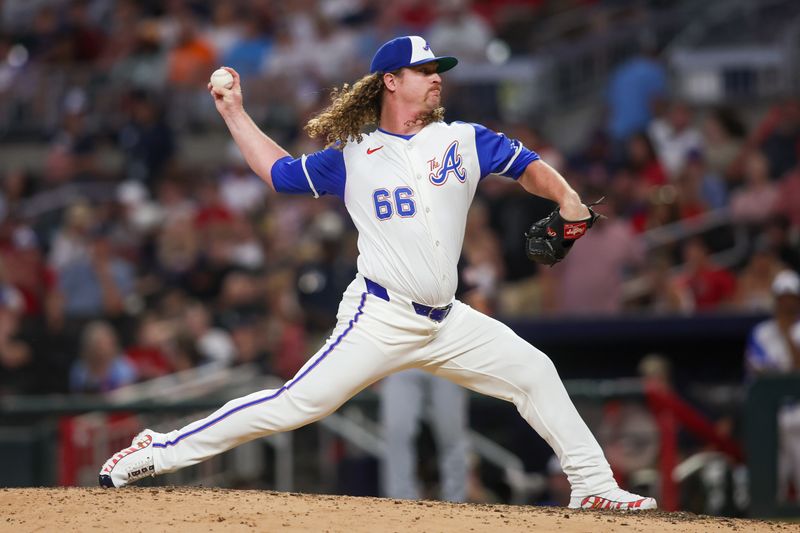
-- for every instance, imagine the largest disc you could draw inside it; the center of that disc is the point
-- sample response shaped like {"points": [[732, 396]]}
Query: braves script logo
{"points": [[574, 230], [451, 162]]}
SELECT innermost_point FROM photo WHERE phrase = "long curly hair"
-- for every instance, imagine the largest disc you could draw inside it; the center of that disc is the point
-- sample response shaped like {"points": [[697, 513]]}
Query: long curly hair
{"points": [[353, 108]]}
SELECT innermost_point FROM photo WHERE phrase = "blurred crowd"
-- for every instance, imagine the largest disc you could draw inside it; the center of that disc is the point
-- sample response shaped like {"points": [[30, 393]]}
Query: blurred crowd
{"points": [[112, 277]]}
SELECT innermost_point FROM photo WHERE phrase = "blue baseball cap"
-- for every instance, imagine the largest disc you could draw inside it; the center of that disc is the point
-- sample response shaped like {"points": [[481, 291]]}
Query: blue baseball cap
{"points": [[408, 51]]}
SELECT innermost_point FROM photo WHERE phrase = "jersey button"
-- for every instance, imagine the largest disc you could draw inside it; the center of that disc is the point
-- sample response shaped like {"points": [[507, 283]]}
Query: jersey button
{"points": [[427, 209], [437, 243], [419, 176]]}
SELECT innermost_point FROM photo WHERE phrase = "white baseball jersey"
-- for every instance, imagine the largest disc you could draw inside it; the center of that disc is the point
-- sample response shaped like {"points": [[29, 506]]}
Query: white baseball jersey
{"points": [[408, 197], [767, 350]]}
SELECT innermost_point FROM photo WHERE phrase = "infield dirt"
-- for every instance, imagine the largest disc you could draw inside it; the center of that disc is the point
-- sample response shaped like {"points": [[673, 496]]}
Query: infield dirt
{"points": [[184, 509]]}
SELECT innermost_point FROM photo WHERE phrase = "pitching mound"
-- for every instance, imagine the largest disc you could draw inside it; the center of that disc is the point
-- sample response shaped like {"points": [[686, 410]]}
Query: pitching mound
{"points": [[198, 509]]}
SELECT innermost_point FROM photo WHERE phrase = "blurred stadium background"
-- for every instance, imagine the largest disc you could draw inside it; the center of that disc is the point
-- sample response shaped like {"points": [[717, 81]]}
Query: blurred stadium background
{"points": [[146, 275]]}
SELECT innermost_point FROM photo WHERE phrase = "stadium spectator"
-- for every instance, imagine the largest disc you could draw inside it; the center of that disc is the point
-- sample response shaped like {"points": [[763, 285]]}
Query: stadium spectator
{"points": [[325, 275], [242, 191], [636, 87], [659, 209], [71, 242], [539, 143], [145, 66], [146, 139], [18, 370], [458, 29], [661, 295], [290, 58], [778, 136], [481, 267], [177, 251], [723, 139], [777, 236], [250, 47], [340, 46], [789, 197], [675, 137], [87, 38], [17, 186], [102, 367], [246, 251], [711, 287], [48, 41], [416, 15], [96, 284], [611, 250], [643, 161], [756, 201], [248, 335], [122, 30], [213, 345], [286, 336], [711, 188], [24, 266], [754, 282], [148, 354], [689, 200], [192, 58], [774, 348], [225, 29]]}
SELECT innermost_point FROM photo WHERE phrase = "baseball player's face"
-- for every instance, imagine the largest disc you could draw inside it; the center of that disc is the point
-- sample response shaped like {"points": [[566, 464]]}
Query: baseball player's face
{"points": [[421, 86]]}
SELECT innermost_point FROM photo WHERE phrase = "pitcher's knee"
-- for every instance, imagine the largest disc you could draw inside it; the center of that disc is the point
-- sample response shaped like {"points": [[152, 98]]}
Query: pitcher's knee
{"points": [[537, 371], [300, 411], [542, 365]]}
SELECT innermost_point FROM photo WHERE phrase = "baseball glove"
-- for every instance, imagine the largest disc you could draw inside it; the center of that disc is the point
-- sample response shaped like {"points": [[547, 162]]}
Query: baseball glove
{"points": [[550, 239]]}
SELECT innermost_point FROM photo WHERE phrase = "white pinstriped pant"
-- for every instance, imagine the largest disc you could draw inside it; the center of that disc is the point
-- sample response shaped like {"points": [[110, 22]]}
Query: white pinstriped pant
{"points": [[374, 338]]}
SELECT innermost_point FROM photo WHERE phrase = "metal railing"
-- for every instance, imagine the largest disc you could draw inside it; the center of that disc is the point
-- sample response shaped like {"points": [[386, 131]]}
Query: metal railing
{"points": [[359, 430]]}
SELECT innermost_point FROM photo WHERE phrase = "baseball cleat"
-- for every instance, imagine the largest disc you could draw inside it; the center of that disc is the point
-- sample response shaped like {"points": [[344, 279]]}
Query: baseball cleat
{"points": [[615, 499], [130, 464]]}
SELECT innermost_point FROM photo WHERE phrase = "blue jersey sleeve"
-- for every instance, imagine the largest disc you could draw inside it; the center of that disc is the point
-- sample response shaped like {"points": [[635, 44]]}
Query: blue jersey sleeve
{"points": [[497, 154], [319, 173]]}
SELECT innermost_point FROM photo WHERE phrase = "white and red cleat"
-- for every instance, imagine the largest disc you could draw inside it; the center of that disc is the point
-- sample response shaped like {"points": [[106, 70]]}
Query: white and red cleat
{"points": [[130, 464], [614, 499]]}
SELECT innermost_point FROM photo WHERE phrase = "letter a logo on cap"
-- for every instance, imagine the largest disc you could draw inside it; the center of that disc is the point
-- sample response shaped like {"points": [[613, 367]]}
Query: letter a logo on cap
{"points": [[408, 51]]}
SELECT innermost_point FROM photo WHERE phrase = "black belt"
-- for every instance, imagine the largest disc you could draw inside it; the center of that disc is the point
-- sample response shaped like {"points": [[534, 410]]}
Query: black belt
{"points": [[437, 314]]}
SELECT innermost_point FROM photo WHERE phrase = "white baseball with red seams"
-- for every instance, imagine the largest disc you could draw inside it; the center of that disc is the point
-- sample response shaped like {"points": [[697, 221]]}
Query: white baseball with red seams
{"points": [[408, 196], [221, 78]]}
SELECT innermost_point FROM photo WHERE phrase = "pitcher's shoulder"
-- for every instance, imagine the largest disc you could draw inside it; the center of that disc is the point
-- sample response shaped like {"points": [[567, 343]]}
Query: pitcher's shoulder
{"points": [[355, 143], [457, 128]]}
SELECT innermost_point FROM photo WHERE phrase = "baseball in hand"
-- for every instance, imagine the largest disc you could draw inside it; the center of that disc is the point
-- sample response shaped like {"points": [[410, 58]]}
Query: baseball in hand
{"points": [[221, 78]]}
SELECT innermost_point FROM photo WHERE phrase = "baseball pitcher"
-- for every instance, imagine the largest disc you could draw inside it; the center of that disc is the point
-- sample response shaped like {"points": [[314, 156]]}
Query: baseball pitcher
{"points": [[407, 186]]}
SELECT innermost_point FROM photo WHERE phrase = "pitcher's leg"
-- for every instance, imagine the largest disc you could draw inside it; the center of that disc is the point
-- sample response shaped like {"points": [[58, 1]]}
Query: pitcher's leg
{"points": [[484, 355], [450, 426], [401, 408], [346, 364]]}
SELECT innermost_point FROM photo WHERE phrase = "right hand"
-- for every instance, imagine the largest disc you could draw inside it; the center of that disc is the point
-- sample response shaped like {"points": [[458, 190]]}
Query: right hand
{"points": [[228, 100]]}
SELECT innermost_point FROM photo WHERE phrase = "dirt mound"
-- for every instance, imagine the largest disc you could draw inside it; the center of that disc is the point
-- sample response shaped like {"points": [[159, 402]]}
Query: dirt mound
{"points": [[199, 509]]}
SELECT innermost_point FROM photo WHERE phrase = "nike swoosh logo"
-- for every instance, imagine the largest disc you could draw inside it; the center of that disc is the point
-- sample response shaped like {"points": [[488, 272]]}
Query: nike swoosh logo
{"points": [[371, 151]]}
